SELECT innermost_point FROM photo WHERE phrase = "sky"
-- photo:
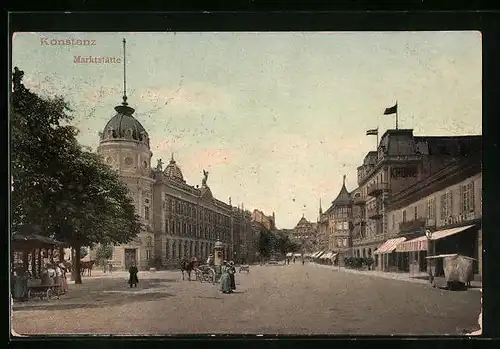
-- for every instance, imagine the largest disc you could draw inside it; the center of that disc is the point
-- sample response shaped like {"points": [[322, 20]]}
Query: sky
{"points": [[276, 118]]}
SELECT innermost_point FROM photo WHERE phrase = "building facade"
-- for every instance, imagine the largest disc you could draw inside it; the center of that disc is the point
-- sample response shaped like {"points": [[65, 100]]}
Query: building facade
{"points": [[180, 220], [322, 231], [305, 233], [449, 200], [400, 161], [269, 222], [338, 222]]}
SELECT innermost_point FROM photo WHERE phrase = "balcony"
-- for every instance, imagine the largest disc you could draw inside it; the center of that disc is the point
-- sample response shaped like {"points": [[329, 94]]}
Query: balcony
{"points": [[359, 201], [412, 226], [374, 213], [376, 189]]}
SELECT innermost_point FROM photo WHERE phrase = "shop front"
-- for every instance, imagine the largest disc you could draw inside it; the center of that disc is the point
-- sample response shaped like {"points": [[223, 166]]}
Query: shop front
{"points": [[458, 240], [386, 255]]}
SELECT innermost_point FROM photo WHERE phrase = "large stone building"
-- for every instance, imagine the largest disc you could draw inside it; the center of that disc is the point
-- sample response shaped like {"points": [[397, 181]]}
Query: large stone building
{"points": [[400, 161], [449, 204], [180, 219]]}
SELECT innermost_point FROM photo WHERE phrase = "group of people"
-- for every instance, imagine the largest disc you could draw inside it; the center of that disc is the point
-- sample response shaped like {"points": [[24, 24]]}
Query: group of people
{"points": [[227, 282]]}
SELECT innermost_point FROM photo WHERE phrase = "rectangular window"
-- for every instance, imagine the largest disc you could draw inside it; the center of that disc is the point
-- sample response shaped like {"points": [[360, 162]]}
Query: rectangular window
{"points": [[346, 225], [148, 255], [404, 216], [467, 198], [146, 213], [431, 208], [415, 213], [446, 205]]}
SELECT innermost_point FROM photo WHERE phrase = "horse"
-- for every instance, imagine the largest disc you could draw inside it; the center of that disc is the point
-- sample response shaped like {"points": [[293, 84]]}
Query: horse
{"points": [[86, 266], [187, 266]]}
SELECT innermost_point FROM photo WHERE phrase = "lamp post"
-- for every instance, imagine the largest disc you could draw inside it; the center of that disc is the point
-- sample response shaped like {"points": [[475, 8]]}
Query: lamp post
{"points": [[428, 235]]}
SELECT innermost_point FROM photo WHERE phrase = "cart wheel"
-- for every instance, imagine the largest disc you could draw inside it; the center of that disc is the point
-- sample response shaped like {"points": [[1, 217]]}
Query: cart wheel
{"points": [[49, 293]]}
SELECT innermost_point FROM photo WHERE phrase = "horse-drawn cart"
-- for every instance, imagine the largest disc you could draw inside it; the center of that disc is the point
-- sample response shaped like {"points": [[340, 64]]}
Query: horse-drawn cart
{"points": [[205, 273]]}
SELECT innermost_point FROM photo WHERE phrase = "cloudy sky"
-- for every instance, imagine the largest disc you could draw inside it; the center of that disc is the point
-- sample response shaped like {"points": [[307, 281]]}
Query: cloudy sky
{"points": [[276, 118]]}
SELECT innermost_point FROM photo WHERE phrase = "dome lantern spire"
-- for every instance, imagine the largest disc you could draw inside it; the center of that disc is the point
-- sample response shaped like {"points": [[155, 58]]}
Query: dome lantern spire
{"points": [[124, 73], [124, 108]]}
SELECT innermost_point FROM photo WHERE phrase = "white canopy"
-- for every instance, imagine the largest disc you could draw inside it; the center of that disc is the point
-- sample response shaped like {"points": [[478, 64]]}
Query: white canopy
{"points": [[289, 254]]}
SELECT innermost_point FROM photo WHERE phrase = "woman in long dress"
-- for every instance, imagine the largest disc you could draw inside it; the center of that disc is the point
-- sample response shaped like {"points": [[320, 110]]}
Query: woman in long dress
{"points": [[232, 271], [133, 279], [225, 279]]}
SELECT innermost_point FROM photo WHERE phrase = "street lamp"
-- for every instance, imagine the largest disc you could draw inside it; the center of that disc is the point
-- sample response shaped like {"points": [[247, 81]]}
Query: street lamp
{"points": [[428, 235]]}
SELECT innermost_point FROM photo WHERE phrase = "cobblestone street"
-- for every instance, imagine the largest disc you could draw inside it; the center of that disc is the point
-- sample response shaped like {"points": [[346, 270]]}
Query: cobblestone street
{"points": [[292, 299]]}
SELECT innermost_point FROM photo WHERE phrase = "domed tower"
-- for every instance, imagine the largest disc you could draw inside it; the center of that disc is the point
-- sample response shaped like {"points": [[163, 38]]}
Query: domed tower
{"points": [[124, 145], [173, 172]]}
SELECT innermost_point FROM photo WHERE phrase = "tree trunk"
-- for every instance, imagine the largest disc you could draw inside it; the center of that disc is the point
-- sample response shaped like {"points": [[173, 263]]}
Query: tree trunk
{"points": [[76, 266], [61, 254]]}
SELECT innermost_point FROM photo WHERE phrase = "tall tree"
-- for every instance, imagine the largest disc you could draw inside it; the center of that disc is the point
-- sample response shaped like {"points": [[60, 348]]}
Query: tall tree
{"points": [[62, 189]]}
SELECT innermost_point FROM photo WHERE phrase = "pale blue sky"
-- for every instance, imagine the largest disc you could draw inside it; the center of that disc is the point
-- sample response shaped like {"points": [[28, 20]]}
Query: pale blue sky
{"points": [[276, 118]]}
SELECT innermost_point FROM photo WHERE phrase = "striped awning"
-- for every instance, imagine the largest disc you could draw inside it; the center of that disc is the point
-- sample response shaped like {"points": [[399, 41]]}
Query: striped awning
{"points": [[389, 246], [418, 244], [447, 232], [326, 256], [319, 254]]}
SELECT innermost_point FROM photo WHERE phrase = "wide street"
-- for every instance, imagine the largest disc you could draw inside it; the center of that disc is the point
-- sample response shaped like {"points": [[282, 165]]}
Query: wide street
{"points": [[292, 299]]}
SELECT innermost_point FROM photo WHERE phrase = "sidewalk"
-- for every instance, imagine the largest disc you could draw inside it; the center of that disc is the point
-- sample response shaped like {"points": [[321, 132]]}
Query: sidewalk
{"points": [[418, 279]]}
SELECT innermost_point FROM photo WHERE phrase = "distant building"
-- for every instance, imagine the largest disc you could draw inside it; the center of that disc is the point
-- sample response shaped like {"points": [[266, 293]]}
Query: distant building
{"points": [[269, 222], [305, 233]]}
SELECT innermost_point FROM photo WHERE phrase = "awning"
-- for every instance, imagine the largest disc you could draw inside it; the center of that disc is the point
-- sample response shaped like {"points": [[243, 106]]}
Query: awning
{"points": [[418, 244], [444, 233], [389, 246], [297, 255], [320, 254], [326, 255], [289, 254], [315, 254]]}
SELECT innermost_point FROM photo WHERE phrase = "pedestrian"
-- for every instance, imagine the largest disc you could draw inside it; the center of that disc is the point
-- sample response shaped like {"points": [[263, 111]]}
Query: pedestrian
{"points": [[58, 278], [293, 260], [64, 270], [225, 279], [232, 271], [303, 261], [133, 279]]}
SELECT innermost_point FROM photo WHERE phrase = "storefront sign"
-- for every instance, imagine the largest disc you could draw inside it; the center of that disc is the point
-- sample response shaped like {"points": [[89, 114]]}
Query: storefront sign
{"points": [[403, 172]]}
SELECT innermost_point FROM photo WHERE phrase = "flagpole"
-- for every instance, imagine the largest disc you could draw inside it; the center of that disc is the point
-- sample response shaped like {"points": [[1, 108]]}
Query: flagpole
{"points": [[396, 115]]}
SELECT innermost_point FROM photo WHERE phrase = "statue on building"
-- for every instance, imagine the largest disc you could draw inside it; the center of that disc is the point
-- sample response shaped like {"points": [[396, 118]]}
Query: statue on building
{"points": [[159, 165], [205, 177]]}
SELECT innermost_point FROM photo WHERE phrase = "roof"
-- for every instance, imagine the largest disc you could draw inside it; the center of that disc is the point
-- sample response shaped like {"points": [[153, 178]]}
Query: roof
{"points": [[33, 240], [172, 171], [124, 126], [303, 220], [344, 198]]}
